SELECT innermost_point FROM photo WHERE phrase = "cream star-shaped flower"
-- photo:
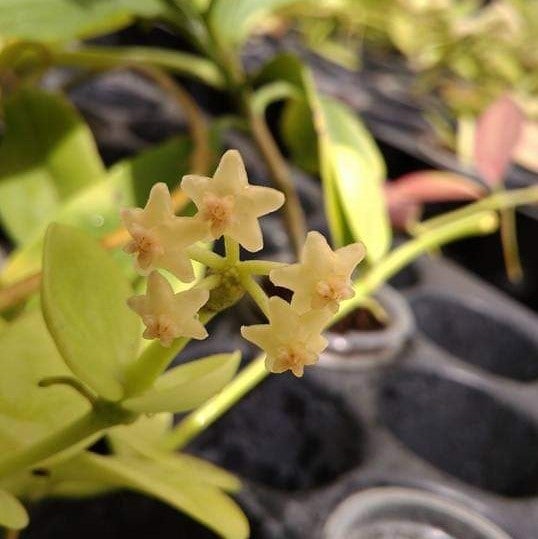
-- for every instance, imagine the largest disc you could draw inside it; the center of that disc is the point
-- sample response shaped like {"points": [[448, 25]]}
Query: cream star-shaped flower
{"points": [[323, 276], [159, 238], [166, 315], [290, 340], [229, 205]]}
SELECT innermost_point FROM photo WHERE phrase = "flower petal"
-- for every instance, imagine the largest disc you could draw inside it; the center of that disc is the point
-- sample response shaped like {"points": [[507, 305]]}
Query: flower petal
{"points": [[230, 176]]}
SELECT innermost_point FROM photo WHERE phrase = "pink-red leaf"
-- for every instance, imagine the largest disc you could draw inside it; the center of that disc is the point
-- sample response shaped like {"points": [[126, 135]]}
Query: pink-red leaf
{"points": [[526, 152], [433, 186], [497, 133], [406, 195]]}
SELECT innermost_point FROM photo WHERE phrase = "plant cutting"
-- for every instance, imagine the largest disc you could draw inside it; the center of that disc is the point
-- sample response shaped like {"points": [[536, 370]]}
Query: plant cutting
{"points": [[95, 369], [92, 378]]}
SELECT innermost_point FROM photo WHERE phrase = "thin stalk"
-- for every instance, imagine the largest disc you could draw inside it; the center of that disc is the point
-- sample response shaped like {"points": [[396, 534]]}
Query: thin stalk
{"points": [[270, 93], [75, 384], [237, 86], [202, 155], [89, 424], [477, 224], [19, 291], [496, 201], [259, 267], [102, 58], [206, 257], [256, 292], [155, 359], [512, 260], [232, 251], [294, 218], [210, 411]]}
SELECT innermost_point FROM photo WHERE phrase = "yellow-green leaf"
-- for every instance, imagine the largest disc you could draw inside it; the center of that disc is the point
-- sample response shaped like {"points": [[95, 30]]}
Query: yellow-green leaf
{"points": [[29, 412], [47, 155], [64, 20], [12, 513], [187, 386], [233, 20], [96, 208], [84, 297], [143, 438], [203, 502], [326, 136], [356, 168]]}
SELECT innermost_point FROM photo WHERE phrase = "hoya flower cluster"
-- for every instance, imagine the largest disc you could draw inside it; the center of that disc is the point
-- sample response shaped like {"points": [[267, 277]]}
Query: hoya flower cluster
{"points": [[229, 206], [322, 279]]}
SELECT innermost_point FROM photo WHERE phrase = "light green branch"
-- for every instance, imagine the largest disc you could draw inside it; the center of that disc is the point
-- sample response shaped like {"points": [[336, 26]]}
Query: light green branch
{"points": [[204, 416], [102, 58], [155, 359]]}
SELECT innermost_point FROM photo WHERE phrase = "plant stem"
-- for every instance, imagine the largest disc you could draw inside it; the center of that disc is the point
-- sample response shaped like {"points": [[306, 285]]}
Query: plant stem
{"points": [[496, 201], [210, 411], [477, 224], [512, 260], [89, 424], [232, 251], [75, 384], [13, 294], [101, 58], [249, 377], [206, 257], [271, 92], [294, 217], [155, 359], [259, 267], [202, 155], [237, 85], [256, 292]]}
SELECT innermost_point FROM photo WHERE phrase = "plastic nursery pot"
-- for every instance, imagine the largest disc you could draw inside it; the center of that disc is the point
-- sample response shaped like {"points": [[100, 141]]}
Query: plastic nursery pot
{"points": [[351, 347], [404, 513]]}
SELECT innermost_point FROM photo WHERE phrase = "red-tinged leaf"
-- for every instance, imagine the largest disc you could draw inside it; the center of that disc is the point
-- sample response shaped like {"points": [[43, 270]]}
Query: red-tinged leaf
{"points": [[432, 186], [526, 152], [406, 195], [497, 133], [402, 213]]}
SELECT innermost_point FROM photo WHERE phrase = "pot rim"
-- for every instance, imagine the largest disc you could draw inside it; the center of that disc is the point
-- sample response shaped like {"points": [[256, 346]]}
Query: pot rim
{"points": [[356, 506]]}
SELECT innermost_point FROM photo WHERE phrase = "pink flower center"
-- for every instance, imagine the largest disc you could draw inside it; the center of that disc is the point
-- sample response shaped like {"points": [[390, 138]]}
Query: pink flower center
{"points": [[333, 289], [295, 356], [160, 327], [218, 211], [147, 247]]}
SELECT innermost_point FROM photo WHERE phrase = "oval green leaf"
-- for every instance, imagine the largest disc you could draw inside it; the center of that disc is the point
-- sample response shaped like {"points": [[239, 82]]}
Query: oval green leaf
{"points": [[95, 208], [29, 412], [233, 20], [47, 155], [84, 297], [187, 386], [203, 502], [351, 168], [64, 20]]}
